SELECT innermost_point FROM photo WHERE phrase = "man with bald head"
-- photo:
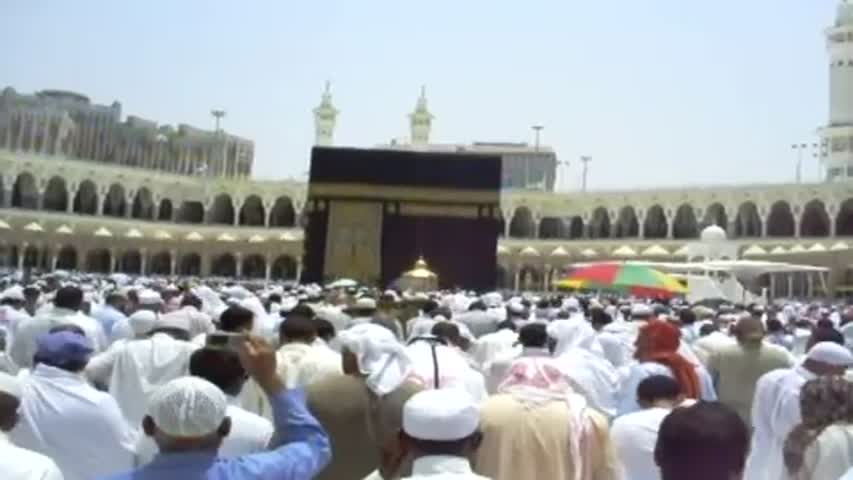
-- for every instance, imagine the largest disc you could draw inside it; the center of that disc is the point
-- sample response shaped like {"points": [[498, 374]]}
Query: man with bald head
{"points": [[737, 367]]}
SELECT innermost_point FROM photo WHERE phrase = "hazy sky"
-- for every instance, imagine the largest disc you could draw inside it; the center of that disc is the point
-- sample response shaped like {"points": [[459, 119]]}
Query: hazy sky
{"points": [[659, 92]]}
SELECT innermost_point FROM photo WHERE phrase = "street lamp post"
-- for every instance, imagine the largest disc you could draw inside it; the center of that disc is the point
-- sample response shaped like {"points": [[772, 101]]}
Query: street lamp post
{"points": [[537, 131], [585, 161], [218, 115], [819, 151]]}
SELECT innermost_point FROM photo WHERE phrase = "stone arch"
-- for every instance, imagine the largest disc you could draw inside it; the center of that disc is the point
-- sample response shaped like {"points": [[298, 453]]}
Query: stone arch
{"points": [[99, 261], [190, 265], [115, 202], [550, 227], [655, 225], [66, 258], [684, 223], [165, 211], [222, 210], [55, 196], [86, 199], [224, 265], [131, 262], [143, 205], [844, 219], [627, 225], [599, 225], [254, 266], [284, 267], [522, 225], [25, 192], [252, 212], [283, 214], [191, 212], [160, 264], [716, 215], [576, 227], [815, 220], [747, 221], [780, 221]]}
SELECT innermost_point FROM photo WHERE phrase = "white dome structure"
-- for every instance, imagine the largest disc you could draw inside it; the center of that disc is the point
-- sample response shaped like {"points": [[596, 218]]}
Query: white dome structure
{"points": [[713, 234]]}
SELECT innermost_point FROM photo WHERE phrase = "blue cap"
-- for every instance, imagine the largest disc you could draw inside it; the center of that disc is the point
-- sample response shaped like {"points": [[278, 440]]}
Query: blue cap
{"points": [[63, 348]]}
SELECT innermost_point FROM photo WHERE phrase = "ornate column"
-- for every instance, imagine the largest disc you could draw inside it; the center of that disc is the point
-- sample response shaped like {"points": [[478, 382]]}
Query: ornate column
{"points": [[268, 206], [797, 213], [3, 188], [173, 262], [54, 260], [764, 218], [128, 203], [238, 264], [670, 223], [546, 278], [113, 260], [507, 215], [641, 224], [238, 207], [72, 194], [143, 261], [298, 268], [516, 278], [22, 252], [268, 268], [101, 199], [537, 222], [832, 212]]}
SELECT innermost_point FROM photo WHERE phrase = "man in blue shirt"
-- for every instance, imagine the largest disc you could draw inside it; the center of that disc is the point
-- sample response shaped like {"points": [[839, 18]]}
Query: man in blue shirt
{"points": [[111, 312], [187, 421]]}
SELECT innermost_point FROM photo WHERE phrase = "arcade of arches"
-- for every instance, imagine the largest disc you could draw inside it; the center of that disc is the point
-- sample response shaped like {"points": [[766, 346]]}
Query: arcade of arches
{"points": [[114, 200], [780, 219], [143, 262]]}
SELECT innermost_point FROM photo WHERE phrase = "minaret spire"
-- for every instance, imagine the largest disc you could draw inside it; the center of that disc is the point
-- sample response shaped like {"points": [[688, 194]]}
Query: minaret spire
{"points": [[325, 118], [420, 121], [837, 137]]}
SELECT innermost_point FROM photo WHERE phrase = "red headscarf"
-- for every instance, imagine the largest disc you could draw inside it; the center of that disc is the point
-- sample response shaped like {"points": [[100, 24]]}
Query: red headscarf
{"points": [[663, 340]]}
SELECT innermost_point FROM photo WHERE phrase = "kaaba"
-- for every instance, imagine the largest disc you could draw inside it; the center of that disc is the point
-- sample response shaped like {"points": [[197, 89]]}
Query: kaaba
{"points": [[371, 214]]}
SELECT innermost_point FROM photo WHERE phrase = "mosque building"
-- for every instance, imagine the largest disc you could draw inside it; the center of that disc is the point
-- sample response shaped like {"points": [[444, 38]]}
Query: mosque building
{"points": [[80, 189]]}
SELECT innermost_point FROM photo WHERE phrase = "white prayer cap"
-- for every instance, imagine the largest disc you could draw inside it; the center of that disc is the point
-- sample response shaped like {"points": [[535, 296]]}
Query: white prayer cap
{"points": [[572, 302], [14, 293], [178, 320], [149, 297], [10, 385], [187, 407], [364, 303], [831, 354], [443, 415], [516, 308], [641, 310], [493, 299], [142, 322]]}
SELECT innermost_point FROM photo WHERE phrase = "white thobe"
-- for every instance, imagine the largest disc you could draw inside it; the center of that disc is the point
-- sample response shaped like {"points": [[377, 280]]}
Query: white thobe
{"points": [[830, 456], [134, 369], [198, 323], [711, 343], [78, 427], [21, 464], [24, 347], [443, 467], [596, 379], [249, 433], [453, 369], [300, 364], [493, 345], [775, 412], [637, 372], [634, 437]]}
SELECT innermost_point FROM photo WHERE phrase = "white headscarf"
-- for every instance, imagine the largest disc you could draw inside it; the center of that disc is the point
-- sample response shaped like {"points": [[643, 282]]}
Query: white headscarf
{"points": [[571, 334], [380, 356]]}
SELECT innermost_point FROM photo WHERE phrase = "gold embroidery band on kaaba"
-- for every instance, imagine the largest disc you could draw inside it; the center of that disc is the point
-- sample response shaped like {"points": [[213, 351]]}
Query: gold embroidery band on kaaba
{"points": [[360, 191]]}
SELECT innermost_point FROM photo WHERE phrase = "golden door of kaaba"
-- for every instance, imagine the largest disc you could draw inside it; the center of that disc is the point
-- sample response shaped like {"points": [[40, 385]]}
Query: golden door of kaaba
{"points": [[372, 213]]}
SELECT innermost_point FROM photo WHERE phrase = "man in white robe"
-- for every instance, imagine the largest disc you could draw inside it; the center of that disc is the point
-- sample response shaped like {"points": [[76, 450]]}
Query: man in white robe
{"points": [[634, 435], [134, 369], [190, 312], [430, 357], [18, 463], [65, 418], [300, 362], [776, 407], [495, 345], [579, 355], [249, 433], [65, 311]]}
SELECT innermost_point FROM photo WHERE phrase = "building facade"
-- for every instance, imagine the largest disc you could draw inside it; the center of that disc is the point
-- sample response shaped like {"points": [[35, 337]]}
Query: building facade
{"points": [[68, 125]]}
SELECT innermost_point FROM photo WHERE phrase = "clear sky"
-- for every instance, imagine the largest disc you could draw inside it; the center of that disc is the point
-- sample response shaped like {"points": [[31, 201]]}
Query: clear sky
{"points": [[658, 92]]}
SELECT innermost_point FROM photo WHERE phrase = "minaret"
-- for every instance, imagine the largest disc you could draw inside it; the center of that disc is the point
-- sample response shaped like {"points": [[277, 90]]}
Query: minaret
{"points": [[420, 121], [838, 135], [325, 117]]}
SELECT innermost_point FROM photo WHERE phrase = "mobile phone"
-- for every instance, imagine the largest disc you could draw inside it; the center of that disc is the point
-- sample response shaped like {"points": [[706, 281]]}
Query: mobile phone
{"points": [[225, 340]]}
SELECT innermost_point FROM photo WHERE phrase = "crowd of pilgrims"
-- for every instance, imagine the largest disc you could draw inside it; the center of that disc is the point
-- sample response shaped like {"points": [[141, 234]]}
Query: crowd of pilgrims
{"points": [[120, 378]]}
